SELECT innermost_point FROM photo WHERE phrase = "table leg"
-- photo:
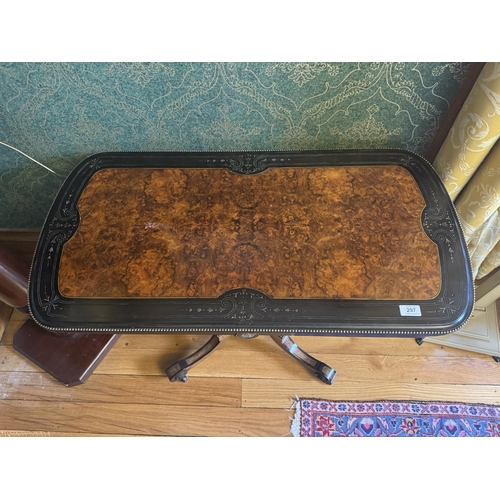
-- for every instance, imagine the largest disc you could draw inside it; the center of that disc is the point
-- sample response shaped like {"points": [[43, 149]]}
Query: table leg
{"points": [[325, 373], [178, 370]]}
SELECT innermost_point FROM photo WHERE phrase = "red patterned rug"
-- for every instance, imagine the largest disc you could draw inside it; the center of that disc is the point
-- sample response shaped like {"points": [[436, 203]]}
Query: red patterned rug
{"points": [[323, 418]]}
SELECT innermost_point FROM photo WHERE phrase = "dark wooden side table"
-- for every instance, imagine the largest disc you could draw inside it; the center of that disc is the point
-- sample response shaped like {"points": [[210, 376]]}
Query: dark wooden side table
{"points": [[325, 243]]}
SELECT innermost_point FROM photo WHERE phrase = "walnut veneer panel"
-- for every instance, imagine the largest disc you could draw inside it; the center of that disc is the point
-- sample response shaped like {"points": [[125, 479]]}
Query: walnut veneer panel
{"points": [[306, 232]]}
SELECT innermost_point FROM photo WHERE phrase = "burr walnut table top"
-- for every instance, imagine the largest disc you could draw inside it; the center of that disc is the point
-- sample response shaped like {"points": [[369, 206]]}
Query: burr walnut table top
{"points": [[314, 242]]}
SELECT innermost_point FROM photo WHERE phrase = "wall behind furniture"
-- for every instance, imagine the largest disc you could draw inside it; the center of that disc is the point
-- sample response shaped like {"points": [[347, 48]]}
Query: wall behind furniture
{"points": [[59, 113]]}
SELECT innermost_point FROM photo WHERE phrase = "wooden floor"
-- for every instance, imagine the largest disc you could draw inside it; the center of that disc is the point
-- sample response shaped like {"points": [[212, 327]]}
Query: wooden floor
{"points": [[245, 388]]}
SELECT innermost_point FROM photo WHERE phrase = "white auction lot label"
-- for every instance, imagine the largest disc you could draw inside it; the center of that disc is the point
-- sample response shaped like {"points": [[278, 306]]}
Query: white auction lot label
{"points": [[411, 310]]}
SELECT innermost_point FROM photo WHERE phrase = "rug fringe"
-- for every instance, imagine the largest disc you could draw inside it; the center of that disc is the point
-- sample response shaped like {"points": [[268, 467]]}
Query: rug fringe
{"points": [[295, 427]]}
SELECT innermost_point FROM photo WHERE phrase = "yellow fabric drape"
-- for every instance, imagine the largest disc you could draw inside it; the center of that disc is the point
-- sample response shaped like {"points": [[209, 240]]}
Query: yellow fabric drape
{"points": [[469, 166]]}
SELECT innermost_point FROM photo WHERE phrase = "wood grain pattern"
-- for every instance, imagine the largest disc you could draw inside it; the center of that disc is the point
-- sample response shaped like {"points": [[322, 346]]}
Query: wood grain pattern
{"points": [[272, 365], [369, 368], [142, 419], [260, 393], [229, 395], [335, 232], [124, 389]]}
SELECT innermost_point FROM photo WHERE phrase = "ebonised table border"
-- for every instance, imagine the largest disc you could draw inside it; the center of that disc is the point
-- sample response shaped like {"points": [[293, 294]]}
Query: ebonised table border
{"points": [[245, 311]]}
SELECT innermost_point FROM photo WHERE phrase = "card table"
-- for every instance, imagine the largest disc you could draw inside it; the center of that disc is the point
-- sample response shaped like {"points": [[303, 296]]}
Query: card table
{"points": [[246, 243]]}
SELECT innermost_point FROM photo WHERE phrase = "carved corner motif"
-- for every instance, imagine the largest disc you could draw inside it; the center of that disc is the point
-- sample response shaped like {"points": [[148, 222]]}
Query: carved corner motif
{"points": [[440, 227], [446, 305], [449, 305], [94, 164], [408, 161], [52, 302], [63, 225]]}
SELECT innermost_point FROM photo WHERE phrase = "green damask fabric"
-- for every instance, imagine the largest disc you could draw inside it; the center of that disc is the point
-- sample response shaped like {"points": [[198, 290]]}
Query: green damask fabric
{"points": [[59, 113]]}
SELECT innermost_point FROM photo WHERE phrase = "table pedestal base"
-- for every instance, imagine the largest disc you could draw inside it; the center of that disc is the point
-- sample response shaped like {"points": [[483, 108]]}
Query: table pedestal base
{"points": [[69, 360], [324, 372], [178, 370]]}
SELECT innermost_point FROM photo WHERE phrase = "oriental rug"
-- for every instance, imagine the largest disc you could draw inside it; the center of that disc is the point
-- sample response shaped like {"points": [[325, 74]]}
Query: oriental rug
{"points": [[323, 418]]}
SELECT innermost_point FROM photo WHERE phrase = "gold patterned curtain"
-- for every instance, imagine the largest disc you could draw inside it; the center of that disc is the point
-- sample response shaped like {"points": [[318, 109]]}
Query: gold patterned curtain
{"points": [[469, 166]]}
